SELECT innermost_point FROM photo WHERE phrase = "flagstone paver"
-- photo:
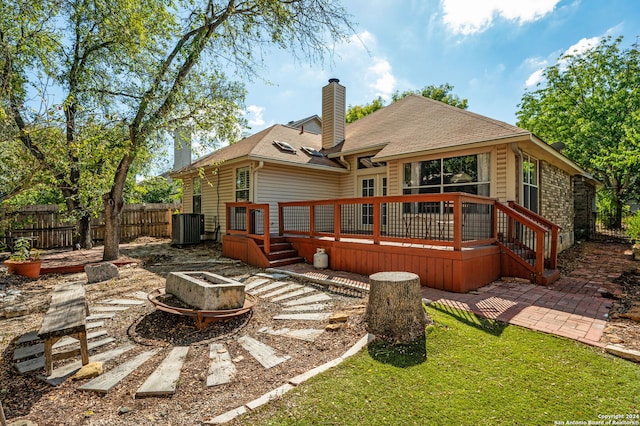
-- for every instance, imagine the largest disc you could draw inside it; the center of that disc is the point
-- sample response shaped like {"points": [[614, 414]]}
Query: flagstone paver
{"points": [[273, 285], [122, 302], [164, 379], [308, 316], [282, 290], [221, 368], [262, 352], [320, 297], [295, 293], [104, 383], [306, 334]]}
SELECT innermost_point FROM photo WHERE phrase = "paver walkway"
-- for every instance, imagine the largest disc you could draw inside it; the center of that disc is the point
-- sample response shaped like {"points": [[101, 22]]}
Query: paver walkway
{"points": [[572, 307]]}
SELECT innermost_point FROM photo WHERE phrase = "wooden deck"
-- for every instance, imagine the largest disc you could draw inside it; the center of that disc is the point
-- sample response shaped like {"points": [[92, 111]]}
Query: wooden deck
{"points": [[455, 242]]}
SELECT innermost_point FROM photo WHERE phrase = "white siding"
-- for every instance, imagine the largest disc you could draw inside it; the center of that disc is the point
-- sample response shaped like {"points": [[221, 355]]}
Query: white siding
{"points": [[280, 183]]}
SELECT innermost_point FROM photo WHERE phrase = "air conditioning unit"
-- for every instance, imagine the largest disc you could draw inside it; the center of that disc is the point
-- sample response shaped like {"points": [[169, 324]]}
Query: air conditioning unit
{"points": [[187, 228]]}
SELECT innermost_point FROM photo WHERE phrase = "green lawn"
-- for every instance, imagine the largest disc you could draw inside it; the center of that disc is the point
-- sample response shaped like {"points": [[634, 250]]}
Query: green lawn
{"points": [[474, 371]]}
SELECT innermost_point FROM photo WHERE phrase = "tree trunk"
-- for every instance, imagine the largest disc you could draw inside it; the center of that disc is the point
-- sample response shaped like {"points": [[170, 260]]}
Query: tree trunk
{"points": [[84, 232], [394, 311], [112, 222], [113, 204]]}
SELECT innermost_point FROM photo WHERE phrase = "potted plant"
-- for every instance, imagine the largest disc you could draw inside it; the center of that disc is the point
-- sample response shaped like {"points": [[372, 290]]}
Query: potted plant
{"points": [[24, 260]]}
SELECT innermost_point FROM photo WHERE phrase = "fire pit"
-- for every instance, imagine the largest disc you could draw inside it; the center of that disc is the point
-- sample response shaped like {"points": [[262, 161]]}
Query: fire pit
{"points": [[205, 296]]}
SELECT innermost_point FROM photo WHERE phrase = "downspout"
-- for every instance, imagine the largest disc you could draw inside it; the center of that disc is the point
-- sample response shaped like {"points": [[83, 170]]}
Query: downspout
{"points": [[344, 162], [255, 172], [516, 149]]}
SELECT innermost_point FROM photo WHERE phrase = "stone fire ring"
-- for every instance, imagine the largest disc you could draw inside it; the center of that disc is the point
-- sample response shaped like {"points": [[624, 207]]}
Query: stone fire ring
{"points": [[201, 316]]}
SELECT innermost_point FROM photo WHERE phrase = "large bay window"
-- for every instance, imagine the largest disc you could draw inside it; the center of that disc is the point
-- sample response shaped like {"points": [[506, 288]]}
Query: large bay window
{"points": [[469, 173]]}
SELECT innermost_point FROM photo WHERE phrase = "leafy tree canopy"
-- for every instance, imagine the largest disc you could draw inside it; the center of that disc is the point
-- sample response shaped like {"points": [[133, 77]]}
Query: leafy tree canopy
{"points": [[440, 93], [590, 101]]}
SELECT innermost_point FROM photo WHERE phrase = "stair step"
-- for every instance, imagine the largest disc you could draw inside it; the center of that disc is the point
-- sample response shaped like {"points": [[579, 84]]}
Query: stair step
{"points": [[282, 254]]}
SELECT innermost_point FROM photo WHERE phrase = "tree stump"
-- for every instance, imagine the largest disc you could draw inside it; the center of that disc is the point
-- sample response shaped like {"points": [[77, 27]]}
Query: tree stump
{"points": [[394, 312]]}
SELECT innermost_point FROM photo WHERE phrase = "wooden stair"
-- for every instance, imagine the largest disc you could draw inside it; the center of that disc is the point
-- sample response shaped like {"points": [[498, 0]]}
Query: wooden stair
{"points": [[281, 253]]}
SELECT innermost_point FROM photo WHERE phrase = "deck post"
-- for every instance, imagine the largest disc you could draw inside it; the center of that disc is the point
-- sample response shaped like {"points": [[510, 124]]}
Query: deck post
{"points": [[280, 221], [267, 230], [377, 220], [457, 223], [553, 255], [336, 221], [312, 220]]}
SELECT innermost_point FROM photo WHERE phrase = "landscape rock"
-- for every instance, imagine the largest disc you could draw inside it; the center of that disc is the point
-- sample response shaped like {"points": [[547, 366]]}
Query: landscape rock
{"points": [[89, 371], [338, 317], [334, 326], [622, 352], [99, 272]]}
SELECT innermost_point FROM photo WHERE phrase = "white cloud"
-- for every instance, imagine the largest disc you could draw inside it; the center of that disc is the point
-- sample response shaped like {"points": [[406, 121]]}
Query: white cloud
{"points": [[384, 81], [254, 115], [582, 46], [534, 78], [473, 16]]}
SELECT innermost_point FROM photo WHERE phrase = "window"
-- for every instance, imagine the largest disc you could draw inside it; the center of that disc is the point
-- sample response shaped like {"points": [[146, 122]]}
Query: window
{"points": [[530, 168], [196, 192], [469, 173], [242, 184], [311, 151], [368, 189]]}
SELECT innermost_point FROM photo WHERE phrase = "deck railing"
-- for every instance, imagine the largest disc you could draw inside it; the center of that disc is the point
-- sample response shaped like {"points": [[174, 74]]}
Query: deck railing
{"points": [[251, 220], [455, 220]]}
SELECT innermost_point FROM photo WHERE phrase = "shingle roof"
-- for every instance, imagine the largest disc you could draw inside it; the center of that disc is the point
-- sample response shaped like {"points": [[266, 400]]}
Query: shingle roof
{"points": [[415, 123], [261, 146]]}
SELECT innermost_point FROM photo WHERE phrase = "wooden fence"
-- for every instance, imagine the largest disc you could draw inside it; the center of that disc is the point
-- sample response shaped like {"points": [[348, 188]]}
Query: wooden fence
{"points": [[49, 228]]}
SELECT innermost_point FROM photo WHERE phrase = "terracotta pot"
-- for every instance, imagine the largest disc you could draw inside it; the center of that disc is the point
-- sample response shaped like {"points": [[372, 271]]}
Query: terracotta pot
{"points": [[29, 269]]}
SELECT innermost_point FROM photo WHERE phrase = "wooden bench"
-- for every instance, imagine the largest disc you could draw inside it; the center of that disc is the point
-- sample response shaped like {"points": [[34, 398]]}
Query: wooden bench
{"points": [[66, 316]]}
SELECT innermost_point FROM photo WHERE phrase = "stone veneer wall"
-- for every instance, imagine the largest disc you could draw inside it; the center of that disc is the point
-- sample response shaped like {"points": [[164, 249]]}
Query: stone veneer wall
{"points": [[584, 207], [556, 201]]}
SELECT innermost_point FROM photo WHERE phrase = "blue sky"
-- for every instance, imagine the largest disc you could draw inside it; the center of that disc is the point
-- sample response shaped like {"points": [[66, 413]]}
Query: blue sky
{"points": [[491, 51]]}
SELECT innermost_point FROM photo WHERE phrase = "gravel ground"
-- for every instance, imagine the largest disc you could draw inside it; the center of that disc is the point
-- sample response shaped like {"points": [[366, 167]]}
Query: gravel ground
{"points": [[28, 397]]}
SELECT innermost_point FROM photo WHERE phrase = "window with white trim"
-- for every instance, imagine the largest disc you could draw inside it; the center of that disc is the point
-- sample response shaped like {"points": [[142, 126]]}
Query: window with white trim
{"points": [[242, 184], [530, 173], [196, 193]]}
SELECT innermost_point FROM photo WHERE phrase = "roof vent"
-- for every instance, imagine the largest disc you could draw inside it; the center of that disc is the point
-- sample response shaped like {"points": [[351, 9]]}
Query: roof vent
{"points": [[334, 80], [283, 146]]}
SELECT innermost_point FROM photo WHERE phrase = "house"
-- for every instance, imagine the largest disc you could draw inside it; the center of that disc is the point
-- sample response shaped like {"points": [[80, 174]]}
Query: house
{"points": [[456, 197]]}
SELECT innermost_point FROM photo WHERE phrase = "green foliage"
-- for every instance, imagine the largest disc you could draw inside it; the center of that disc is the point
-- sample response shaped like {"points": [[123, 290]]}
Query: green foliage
{"points": [[591, 102], [22, 251], [633, 227], [440, 93], [358, 111], [155, 190], [474, 374], [607, 209]]}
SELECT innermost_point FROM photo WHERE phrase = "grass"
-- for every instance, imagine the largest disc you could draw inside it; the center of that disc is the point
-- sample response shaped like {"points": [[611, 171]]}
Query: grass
{"points": [[468, 371]]}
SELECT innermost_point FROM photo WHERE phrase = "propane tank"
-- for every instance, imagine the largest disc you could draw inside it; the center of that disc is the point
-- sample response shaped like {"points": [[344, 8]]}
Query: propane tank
{"points": [[320, 259]]}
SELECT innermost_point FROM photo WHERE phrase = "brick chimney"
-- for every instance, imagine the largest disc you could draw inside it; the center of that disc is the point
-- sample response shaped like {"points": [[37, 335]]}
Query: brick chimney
{"points": [[333, 113]]}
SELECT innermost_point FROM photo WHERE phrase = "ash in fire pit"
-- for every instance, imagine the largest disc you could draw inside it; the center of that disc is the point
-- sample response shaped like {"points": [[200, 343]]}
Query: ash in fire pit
{"points": [[205, 290]]}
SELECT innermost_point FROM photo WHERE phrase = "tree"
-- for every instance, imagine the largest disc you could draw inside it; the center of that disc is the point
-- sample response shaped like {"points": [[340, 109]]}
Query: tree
{"points": [[63, 47], [181, 80], [590, 101], [440, 93], [357, 112]]}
